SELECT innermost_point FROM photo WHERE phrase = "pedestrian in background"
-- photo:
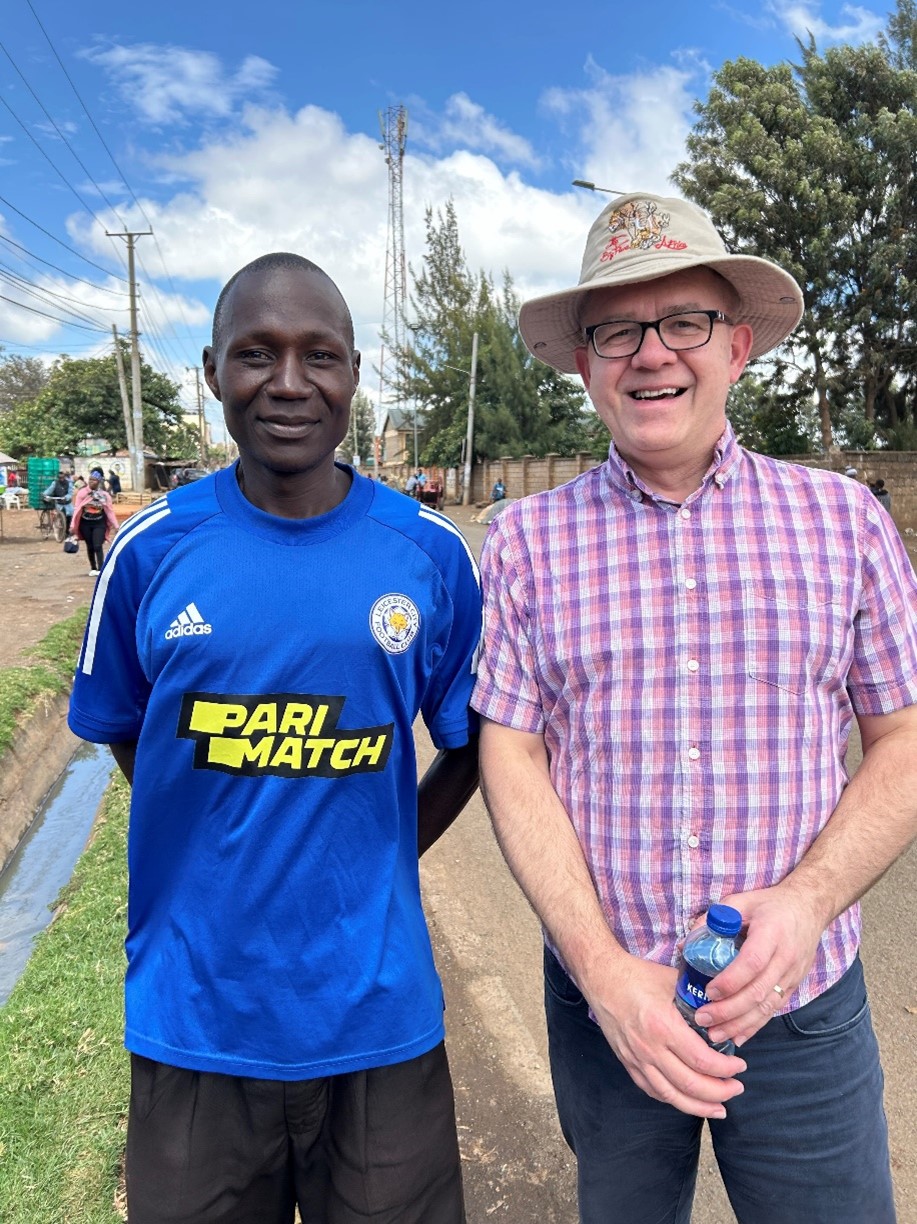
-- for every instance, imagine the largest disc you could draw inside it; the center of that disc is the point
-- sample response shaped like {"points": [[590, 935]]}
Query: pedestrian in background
{"points": [[676, 644], [882, 495], [94, 520]]}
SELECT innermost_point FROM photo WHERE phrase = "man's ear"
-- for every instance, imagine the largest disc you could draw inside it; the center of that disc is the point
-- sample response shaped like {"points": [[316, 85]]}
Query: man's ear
{"points": [[581, 357], [739, 348], [208, 360]]}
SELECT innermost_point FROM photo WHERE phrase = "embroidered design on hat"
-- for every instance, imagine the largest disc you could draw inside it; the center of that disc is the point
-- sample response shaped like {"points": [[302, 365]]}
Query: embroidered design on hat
{"points": [[638, 225]]}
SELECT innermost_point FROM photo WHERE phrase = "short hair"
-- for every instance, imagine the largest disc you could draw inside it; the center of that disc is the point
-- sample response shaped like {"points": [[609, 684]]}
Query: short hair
{"points": [[267, 263]]}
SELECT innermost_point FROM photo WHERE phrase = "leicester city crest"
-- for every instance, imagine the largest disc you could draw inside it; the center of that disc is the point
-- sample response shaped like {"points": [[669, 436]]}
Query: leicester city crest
{"points": [[394, 621]]}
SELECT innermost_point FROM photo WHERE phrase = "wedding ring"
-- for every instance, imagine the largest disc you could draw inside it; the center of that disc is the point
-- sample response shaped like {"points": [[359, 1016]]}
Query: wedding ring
{"points": [[780, 991]]}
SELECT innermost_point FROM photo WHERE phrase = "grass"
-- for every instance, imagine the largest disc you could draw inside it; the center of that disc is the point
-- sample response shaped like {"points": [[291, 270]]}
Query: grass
{"points": [[64, 1076], [24, 688]]}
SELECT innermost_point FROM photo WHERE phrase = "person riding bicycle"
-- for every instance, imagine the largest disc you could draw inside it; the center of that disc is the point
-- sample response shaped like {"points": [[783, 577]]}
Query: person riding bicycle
{"points": [[60, 492]]}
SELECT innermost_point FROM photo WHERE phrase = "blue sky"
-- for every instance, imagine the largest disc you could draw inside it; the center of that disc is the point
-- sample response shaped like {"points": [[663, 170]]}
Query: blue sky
{"points": [[237, 129]]}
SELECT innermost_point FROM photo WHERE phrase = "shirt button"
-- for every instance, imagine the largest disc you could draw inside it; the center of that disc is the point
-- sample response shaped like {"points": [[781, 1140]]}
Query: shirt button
{"points": [[694, 753], [693, 841], [690, 584], [685, 512], [693, 665]]}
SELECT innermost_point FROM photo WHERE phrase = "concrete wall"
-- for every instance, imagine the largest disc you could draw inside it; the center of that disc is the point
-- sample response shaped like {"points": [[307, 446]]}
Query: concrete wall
{"points": [[897, 468], [526, 475], [530, 475]]}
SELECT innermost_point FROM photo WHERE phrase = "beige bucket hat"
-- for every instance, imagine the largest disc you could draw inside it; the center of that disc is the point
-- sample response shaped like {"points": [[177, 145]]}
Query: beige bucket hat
{"points": [[641, 237]]}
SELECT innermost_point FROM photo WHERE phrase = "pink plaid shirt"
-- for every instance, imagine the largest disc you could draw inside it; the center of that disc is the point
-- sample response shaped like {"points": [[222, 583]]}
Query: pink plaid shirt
{"points": [[694, 670]]}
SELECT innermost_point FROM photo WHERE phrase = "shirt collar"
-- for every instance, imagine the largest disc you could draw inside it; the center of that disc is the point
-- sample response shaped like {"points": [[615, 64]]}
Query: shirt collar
{"points": [[727, 456]]}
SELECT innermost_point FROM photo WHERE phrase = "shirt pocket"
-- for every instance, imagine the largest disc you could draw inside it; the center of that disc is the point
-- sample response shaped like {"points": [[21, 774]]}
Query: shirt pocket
{"points": [[799, 632]]}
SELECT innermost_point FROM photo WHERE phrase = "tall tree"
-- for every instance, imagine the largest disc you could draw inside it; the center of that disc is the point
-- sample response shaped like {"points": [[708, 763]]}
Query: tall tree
{"points": [[521, 406], [21, 379], [362, 431], [813, 166], [82, 399]]}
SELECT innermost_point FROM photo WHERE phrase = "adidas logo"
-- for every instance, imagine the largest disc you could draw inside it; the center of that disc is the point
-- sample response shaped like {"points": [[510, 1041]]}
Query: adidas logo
{"points": [[189, 623]]}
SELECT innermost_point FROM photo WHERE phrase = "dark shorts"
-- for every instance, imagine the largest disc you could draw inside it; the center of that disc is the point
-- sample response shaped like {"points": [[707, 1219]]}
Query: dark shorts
{"points": [[377, 1145]]}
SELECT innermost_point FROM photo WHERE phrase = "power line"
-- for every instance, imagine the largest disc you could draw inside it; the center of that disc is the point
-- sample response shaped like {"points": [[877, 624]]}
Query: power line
{"points": [[54, 167], [15, 283], [88, 115], [60, 242], [69, 275], [62, 297], [64, 322], [117, 167], [60, 133], [159, 301], [42, 348]]}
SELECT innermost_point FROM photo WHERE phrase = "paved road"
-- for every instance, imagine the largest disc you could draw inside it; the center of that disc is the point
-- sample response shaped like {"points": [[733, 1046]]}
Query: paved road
{"points": [[488, 948]]}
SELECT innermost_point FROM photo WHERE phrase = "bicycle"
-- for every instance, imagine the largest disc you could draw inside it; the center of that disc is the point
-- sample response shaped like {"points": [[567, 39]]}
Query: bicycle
{"points": [[52, 521]]}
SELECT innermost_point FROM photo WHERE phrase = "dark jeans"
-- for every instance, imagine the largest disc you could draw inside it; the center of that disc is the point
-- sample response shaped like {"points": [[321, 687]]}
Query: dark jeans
{"points": [[93, 532], [806, 1143], [374, 1146]]}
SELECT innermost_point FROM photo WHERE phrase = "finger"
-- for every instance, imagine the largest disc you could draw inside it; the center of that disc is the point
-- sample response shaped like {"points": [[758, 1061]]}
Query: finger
{"points": [[702, 1095], [754, 961], [747, 1012]]}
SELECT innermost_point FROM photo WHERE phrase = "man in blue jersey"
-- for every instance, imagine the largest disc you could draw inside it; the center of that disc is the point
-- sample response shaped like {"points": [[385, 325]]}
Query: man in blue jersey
{"points": [[258, 647]]}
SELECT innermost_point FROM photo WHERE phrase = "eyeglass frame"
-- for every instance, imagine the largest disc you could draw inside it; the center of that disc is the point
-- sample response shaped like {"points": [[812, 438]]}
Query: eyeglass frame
{"points": [[715, 316]]}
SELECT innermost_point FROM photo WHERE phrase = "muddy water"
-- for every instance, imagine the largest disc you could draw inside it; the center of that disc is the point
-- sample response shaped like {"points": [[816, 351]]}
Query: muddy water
{"points": [[44, 859]]}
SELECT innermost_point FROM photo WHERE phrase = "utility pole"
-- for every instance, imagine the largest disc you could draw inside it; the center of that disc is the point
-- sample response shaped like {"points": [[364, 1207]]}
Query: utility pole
{"points": [[201, 425], [469, 438], [125, 400], [137, 456]]}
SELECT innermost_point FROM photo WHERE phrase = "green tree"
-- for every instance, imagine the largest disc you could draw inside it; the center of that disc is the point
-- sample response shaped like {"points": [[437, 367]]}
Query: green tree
{"points": [[813, 166], [82, 399], [21, 379], [362, 431], [521, 405], [770, 418]]}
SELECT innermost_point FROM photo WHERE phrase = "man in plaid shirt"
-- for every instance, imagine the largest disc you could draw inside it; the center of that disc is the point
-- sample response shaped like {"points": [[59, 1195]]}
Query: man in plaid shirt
{"points": [[677, 644]]}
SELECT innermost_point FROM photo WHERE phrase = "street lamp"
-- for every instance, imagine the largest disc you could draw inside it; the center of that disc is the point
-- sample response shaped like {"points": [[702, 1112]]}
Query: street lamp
{"points": [[592, 187]]}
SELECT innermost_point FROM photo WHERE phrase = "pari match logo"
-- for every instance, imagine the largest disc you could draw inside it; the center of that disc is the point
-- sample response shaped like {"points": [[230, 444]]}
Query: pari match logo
{"points": [[289, 735]]}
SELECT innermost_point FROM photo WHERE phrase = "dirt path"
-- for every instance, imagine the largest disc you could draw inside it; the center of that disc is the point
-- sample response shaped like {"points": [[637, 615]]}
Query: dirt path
{"points": [[42, 584]]}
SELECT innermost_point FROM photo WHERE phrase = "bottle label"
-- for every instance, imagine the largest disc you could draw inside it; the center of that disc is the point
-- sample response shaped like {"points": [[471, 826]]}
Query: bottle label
{"points": [[692, 986]]}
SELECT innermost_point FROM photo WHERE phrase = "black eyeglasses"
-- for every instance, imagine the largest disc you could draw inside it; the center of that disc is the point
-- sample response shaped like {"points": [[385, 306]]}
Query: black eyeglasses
{"points": [[623, 337]]}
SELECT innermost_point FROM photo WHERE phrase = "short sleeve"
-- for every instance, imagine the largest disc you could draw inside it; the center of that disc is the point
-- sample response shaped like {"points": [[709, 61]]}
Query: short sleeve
{"points": [[883, 674], [507, 690], [110, 689], [446, 707]]}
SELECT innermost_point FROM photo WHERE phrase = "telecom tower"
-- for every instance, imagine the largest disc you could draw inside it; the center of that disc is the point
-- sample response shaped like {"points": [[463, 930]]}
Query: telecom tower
{"points": [[394, 125]]}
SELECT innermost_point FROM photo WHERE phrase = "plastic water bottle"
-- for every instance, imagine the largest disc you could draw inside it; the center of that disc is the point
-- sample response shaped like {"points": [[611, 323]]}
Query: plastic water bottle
{"points": [[708, 949]]}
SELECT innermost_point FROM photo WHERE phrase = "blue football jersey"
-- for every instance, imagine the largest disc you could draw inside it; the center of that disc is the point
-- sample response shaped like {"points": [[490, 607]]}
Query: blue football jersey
{"points": [[271, 670]]}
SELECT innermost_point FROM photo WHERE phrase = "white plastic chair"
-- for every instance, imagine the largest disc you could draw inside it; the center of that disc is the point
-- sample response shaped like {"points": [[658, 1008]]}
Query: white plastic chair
{"points": [[11, 499]]}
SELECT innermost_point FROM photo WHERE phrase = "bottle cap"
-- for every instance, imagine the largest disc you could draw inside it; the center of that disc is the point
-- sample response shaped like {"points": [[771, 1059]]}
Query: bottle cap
{"points": [[724, 920]]}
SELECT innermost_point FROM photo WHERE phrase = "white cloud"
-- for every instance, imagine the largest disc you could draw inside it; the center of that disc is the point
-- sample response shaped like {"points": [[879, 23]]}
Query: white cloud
{"points": [[631, 129], [802, 18], [467, 125], [166, 84], [276, 180]]}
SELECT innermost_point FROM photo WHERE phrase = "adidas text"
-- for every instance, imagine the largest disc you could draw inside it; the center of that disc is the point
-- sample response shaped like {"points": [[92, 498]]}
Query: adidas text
{"points": [[196, 630]]}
